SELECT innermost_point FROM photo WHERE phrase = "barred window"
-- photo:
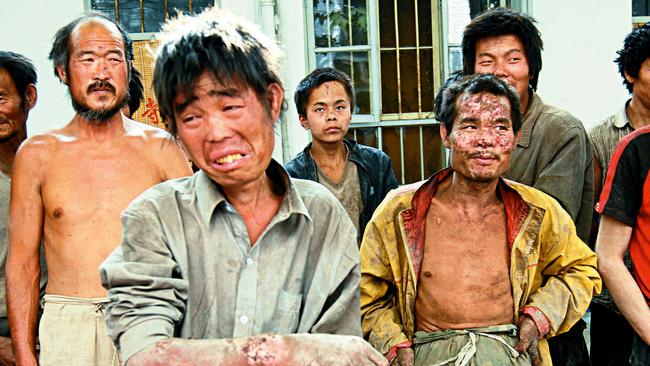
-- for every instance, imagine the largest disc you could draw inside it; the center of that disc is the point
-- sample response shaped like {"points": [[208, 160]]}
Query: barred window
{"points": [[391, 50], [140, 16]]}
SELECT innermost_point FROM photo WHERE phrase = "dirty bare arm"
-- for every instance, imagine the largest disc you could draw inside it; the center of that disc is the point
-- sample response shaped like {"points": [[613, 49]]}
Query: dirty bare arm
{"points": [[293, 349], [613, 240], [172, 159], [23, 262]]}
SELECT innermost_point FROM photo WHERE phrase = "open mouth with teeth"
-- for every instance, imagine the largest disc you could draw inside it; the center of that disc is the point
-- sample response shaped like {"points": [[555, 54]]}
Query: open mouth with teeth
{"points": [[229, 159]]}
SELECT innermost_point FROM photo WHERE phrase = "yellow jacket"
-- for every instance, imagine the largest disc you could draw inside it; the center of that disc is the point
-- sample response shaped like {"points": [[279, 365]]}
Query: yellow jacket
{"points": [[551, 269]]}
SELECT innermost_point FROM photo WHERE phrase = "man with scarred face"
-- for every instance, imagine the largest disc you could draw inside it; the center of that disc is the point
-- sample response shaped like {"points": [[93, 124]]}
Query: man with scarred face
{"points": [[69, 187], [468, 267], [553, 153], [239, 264]]}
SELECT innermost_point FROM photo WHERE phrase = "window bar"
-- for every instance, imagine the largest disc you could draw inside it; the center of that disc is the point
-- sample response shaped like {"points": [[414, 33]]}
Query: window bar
{"points": [[354, 134], [189, 6], [421, 155], [329, 30], [350, 42], [399, 82], [401, 149], [374, 56], [117, 11], [417, 54], [349, 23], [380, 139], [166, 5], [142, 16]]}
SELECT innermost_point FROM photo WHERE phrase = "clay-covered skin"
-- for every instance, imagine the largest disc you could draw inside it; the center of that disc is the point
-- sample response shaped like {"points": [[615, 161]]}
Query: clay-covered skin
{"points": [[268, 350], [482, 138], [464, 278]]}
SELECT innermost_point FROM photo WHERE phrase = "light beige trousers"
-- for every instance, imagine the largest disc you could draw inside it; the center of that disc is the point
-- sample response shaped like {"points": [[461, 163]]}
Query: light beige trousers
{"points": [[72, 332]]}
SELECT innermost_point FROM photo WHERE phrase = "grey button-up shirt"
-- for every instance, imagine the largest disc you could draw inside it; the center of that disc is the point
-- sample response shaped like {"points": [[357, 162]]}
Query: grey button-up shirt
{"points": [[554, 156], [186, 268]]}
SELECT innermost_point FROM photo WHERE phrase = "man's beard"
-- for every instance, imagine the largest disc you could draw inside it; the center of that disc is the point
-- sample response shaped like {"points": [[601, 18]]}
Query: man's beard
{"points": [[98, 116]]}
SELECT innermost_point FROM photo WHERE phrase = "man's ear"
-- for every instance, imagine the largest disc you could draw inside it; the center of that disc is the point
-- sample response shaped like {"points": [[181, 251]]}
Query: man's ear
{"points": [[630, 79], [60, 70], [444, 136], [31, 95], [303, 122], [518, 136], [275, 99]]}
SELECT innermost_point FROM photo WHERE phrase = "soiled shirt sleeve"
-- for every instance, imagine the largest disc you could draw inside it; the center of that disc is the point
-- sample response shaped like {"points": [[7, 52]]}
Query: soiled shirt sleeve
{"points": [[564, 175], [381, 321], [341, 311], [144, 284], [567, 270]]}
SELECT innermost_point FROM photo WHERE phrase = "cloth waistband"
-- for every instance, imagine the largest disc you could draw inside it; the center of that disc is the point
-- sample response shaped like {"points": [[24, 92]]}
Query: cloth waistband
{"points": [[69, 300], [425, 337], [467, 352]]}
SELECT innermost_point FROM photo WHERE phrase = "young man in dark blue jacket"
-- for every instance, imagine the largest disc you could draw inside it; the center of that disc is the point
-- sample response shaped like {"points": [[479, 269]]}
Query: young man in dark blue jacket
{"points": [[324, 100]]}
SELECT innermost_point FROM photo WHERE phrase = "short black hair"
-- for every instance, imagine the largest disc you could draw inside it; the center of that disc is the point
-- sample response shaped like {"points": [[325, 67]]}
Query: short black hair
{"points": [[22, 72], [317, 78], [437, 101], [501, 22], [230, 49], [60, 52], [636, 49], [475, 84], [136, 91]]}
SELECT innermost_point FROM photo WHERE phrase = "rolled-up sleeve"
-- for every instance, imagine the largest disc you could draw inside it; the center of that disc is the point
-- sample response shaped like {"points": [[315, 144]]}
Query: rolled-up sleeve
{"points": [[144, 283]]}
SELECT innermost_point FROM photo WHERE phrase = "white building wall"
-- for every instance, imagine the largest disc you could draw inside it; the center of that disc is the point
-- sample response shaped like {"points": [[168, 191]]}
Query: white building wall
{"points": [[27, 27], [580, 42], [292, 24], [580, 37]]}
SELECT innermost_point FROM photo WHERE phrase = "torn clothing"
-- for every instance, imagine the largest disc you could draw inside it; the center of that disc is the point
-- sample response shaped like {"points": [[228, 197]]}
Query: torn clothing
{"points": [[553, 273], [494, 345], [73, 332], [186, 267]]}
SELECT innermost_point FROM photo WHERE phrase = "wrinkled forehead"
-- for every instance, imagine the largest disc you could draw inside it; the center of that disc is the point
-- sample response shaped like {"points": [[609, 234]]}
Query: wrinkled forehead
{"points": [[475, 104], [96, 30], [7, 84], [207, 84]]}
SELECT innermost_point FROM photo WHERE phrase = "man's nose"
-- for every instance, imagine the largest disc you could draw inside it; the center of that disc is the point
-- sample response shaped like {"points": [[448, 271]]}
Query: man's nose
{"points": [[500, 69], [217, 129], [331, 114], [101, 70], [485, 138]]}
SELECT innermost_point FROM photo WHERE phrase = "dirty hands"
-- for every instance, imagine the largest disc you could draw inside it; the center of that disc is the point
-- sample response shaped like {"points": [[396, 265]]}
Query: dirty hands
{"points": [[528, 337], [405, 357]]}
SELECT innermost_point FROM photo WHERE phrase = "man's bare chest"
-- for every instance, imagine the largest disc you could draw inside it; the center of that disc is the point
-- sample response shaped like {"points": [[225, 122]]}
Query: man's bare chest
{"points": [[94, 185]]}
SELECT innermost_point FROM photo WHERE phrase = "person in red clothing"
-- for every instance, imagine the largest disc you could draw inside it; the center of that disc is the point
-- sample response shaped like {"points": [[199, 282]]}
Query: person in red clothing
{"points": [[624, 206]]}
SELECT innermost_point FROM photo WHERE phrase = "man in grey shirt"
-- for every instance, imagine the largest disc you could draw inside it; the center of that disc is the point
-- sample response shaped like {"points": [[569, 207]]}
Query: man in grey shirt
{"points": [[239, 249]]}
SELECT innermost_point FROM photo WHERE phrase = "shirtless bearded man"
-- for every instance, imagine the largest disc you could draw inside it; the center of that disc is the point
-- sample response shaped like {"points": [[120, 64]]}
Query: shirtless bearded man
{"points": [[69, 187], [467, 267]]}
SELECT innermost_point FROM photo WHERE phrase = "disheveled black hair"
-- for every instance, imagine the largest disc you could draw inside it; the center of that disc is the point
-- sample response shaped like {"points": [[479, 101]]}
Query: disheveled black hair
{"points": [[233, 51], [499, 22], [60, 52], [22, 72], [136, 91], [636, 49], [437, 101], [317, 78], [475, 84]]}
